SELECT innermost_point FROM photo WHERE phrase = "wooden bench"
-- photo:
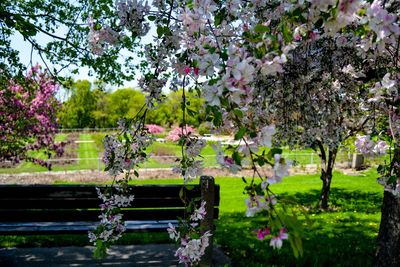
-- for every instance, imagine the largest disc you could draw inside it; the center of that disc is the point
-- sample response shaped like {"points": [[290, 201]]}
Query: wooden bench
{"points": [[65, 209]]}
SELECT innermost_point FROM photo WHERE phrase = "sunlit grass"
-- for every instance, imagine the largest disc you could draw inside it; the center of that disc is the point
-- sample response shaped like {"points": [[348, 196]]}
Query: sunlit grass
{"points": [[345, 236]]}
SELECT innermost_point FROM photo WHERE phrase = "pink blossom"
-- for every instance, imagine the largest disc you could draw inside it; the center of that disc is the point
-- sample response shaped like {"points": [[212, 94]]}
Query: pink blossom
{"points": [[277, 241], [154, 129], [176, 133], [262, 233], [186, 70], [199, 213]]}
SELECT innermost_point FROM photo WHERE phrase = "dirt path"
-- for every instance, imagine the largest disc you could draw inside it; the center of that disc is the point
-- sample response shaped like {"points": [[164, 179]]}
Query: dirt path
{"points": [[90, 176]]}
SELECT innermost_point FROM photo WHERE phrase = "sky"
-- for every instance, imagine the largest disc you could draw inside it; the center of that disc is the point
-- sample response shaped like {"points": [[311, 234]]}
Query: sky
{"points": [[24, 48]]}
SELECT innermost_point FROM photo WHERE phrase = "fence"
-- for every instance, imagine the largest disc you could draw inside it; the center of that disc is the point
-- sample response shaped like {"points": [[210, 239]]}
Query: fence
{"points": [[87, 130], [72, 164]]}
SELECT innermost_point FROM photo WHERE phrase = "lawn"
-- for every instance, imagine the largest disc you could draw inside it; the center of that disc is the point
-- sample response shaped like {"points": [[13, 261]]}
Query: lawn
{"points": [[87, 153], [162, 155], [344, 236]]}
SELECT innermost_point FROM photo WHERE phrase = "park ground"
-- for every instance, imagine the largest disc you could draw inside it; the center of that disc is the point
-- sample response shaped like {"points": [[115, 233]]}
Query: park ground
{"points": [[343, 236]]}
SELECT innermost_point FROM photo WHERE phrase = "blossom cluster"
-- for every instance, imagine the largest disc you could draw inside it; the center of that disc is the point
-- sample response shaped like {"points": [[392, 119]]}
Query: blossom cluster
{"points": [[257, 202], [176, 133], [275, 241], [191, 249], [111, 225], [392, 187], [368, 147], [131, 14], [265, 68], [190, 166], [120, 156], [100, 39], [154, 128], [225, 161]]}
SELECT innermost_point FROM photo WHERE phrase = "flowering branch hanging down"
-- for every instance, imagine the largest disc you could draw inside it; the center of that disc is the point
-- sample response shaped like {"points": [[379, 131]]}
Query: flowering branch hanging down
{"points": [[240, 55]]}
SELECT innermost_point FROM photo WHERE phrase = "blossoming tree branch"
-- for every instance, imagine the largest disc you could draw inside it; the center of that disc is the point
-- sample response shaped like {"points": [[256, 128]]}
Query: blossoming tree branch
{"points": [[309, 72]]}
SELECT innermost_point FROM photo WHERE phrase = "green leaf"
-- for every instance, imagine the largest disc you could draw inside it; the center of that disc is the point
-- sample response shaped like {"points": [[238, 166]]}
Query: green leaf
{"points": [[160, 31], [287, 34], [181, 193], [189, 187], [237, 158], [238, 112], [191, 112], [101, 250], [299, 245], [294, 247], [259, 28], [219, 17], [239, 134], [261, 161], [224, 55], [151, 18], [274, 151], [217, 117]]}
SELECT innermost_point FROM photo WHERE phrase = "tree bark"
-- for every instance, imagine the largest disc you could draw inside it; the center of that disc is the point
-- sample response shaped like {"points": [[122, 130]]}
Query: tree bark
{"points": [[388, 251], [327, 164], [207, 185]]}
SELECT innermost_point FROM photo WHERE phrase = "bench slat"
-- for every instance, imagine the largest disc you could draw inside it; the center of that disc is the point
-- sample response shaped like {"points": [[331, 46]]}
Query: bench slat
{"points": [[88, 215], [79, 227], [88, 191], [83, 203], [18, 196]]}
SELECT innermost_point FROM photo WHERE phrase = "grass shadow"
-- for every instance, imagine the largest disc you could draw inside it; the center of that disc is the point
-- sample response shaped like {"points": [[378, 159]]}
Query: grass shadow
{"points": [[341, 200], [340, 240]]}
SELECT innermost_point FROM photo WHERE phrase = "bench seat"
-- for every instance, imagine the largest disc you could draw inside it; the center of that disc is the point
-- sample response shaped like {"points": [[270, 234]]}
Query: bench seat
{"points": [[51, 228], [63, 209]]}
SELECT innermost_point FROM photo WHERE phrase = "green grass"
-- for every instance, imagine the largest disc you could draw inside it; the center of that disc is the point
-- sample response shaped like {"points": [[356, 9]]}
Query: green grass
{"points": [[345, 236], [94, 150], [88, 152], [61, 137]]}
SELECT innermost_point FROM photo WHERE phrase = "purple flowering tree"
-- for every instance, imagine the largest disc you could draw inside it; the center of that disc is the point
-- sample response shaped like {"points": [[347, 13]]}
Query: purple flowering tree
{"points": [[28, 118]]}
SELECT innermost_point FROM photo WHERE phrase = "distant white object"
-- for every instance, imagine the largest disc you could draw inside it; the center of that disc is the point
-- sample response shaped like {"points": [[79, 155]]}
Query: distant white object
{"points": [[358, 161], [210, 137]]}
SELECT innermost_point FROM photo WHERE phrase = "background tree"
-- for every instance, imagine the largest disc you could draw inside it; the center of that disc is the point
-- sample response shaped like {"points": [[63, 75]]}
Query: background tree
{"points": [[318, 101], [57, 31], [123, 103], [27, 118], [169, 112], [77, 111]]}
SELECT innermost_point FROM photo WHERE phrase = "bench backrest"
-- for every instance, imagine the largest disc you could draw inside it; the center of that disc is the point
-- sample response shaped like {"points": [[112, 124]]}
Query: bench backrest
{"points": [[69, 203]]}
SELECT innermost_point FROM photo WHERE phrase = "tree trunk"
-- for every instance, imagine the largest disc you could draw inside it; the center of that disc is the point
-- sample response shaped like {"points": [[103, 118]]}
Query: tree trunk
{"points": [[388, 252], [326, 177], [327, 165], [207, 224]]}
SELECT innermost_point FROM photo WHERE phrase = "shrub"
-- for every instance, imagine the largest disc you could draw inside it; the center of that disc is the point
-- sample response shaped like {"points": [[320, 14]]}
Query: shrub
{"points": [[154, 128], [176, 133]]}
